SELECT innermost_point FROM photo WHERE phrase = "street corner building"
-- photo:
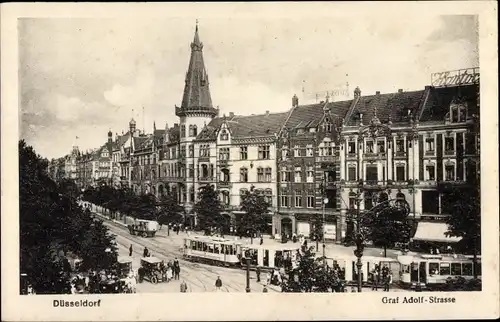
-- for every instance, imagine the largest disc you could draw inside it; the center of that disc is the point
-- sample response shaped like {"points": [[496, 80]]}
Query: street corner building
{"points": [[315, 161]]}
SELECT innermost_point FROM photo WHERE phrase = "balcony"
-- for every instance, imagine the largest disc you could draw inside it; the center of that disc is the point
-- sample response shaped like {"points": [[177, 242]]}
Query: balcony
{"points": [[400, 154], [374, 156], [181, 159], [326, 158], [224, 184], [374, 184], [449, 152], [223, 162], [331, 184], [205, 179], [351, 155], [430, 153], [205, 158]]}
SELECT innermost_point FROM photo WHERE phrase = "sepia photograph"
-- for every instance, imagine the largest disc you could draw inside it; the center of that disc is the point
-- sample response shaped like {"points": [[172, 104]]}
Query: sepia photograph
{"points": [[199, 153]]}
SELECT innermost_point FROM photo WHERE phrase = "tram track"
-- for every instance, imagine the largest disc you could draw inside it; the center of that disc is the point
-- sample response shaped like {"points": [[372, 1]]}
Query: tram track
{"points": [[190, 271], [188, 267]]}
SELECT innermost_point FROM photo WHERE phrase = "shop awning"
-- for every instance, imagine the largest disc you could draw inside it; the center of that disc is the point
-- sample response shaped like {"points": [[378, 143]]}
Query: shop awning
{"points": [[434, 232]]}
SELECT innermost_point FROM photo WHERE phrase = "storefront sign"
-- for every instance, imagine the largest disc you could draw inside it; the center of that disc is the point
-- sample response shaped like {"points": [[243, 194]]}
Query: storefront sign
{"points": [[303, 228], [330, 231], [456, 77]]}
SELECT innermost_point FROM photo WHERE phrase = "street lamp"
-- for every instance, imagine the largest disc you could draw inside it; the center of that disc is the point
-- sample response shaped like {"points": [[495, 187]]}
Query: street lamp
{"points": [[325, 201], [358, 252], [247, 260]]}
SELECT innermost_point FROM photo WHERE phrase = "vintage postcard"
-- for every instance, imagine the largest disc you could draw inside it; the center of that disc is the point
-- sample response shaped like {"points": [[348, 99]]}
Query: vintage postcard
{"points": [[340, 157]]}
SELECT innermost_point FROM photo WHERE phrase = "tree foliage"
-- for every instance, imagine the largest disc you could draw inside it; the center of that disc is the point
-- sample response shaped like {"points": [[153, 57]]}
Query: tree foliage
{"points": [[168, 210], [52, 225], [209, 209], [311, 274], [465, 219], [254, 207], [387, 224]]}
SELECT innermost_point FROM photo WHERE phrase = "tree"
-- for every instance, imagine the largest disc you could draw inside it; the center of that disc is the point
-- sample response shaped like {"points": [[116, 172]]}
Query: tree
{"points": [[255, 207], [465, 221], [209, 209], [51, 225], [387, 224], [310, 274], [169, 211]]}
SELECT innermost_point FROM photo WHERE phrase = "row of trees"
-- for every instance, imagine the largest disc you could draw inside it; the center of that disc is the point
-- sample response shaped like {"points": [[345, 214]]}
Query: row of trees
{"points": [[54, 228], [124, 202], [210, 212]]}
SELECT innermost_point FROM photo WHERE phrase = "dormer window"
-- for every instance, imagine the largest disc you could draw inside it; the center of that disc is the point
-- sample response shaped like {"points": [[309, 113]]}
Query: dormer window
{"points": [[224, 135], [458, 113], [327, 126]]}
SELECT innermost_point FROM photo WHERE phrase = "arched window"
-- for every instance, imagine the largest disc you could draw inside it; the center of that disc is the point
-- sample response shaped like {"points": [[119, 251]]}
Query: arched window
{"points": [[195, 130], [243, 175], [191, 131], [268, 195], [224, 136]]}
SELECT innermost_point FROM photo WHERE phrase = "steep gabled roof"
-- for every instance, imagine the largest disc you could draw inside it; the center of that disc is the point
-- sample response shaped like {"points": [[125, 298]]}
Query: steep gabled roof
{"points": [[438, 101], [256, 125], [386, 107]]}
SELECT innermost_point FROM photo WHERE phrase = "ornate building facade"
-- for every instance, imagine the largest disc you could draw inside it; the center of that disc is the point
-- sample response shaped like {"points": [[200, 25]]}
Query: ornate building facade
{"points": [[313, 162]]}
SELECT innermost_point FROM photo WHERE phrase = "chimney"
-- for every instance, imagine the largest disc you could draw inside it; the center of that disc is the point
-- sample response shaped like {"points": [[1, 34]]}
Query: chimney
{"points": [[267, 113], [357, 92], [295, 101], [231, 114], [377, 93]]}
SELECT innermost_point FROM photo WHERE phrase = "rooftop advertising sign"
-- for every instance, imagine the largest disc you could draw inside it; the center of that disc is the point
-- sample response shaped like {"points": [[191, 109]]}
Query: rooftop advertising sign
{"points": [[456, 77]]}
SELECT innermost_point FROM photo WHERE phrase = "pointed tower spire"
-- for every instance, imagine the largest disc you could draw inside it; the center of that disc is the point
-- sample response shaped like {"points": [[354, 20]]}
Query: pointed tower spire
{"points": [[196, 97]]}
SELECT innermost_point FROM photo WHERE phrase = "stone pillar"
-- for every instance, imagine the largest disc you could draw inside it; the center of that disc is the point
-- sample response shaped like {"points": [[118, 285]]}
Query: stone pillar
{"points": [[361, 175], [389, 158], [416, 159], [343, 148]]}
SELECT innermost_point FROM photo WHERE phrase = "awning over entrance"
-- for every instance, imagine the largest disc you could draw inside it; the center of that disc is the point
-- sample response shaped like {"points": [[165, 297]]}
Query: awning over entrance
{"points": [[434, 232]]}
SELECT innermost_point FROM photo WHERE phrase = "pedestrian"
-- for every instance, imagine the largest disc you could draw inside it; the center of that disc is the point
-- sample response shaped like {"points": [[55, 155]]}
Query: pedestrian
{"points": [[375, 277], [218, 283], [261, 240], [264, 290], [130, 250], [388, 281], [257, 271], [183, 287], [145, 253], [169, 273], [177, 269]]}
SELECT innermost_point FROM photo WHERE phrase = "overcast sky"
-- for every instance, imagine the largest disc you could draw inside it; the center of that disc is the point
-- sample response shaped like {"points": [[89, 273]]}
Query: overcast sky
{"points": [[82, 77]]}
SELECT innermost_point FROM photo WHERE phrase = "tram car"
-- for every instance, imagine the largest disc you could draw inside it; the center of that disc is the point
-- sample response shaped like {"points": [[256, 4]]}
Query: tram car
{"points": [[270, 256], [144, 228], [212, 250], [349, 269], [423, 271]]}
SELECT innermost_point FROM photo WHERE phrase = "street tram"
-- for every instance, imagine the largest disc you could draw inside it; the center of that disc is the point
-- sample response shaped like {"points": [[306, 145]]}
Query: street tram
{"points": [[422, 271], [348, 266], [144, 228], [212, 250], [269, 256]]}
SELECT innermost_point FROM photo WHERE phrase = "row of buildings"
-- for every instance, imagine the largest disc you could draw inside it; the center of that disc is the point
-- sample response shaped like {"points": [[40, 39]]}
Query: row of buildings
{"points": [[315, 160]]}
